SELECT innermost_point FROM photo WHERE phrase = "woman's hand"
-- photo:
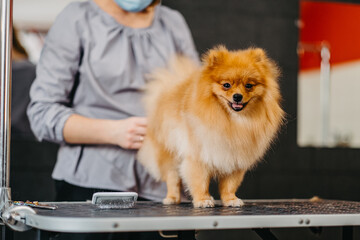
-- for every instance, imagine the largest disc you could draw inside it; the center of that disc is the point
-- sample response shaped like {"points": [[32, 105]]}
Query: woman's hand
{"points": [[128, 133]]}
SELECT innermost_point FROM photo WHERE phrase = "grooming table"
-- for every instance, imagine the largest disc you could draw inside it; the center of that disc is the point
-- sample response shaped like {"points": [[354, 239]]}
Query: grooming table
{"points": [[259, 215]]}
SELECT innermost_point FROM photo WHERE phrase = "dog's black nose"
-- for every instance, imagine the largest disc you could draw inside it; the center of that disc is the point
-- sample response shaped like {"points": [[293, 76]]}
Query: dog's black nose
{"points": [[237, 97]]}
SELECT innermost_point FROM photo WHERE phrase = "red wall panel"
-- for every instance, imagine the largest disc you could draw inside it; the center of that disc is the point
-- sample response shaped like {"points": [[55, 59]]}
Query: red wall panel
{"points": [[337, 24]]}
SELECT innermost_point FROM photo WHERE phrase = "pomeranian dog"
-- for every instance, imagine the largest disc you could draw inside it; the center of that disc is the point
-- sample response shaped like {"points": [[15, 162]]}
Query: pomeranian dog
{"points": [[211, 121]]}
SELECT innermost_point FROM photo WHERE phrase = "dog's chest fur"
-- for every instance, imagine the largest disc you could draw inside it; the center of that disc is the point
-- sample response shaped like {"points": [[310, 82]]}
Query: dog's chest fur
{"points": [[220, 151]]}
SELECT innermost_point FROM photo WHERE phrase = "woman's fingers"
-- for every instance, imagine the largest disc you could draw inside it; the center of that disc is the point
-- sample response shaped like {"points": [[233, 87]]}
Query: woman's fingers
{"points": [[140, 131], [140, 121], [129, 133], [138, 138], [135, 145]]}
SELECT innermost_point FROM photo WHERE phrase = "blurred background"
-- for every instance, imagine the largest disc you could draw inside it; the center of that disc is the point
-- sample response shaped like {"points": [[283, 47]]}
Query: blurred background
{"points": [[317, 47]]}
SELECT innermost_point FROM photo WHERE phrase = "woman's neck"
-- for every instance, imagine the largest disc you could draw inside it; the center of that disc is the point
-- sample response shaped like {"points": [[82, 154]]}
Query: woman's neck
{"points": [[141, 19]]}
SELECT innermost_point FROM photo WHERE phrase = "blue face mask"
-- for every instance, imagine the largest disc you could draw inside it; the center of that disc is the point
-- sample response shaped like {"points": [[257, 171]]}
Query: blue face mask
{"points": [[133, 5]]}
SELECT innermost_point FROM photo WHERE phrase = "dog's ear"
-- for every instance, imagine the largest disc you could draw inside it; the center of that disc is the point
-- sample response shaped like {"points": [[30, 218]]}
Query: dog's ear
{"points": [[259, 54], [267, 64], [214, 56]]}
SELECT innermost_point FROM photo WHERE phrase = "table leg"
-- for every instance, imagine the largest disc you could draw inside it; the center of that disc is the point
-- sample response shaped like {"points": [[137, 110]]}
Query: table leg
{"points": [[265, 233], [42, 235], [6, 233], [186, 235], [347, 233]]}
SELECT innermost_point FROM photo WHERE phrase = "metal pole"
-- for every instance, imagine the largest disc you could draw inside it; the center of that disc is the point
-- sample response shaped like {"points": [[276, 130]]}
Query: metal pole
{"points": [[5, 94], [325, 95], [13, 216]]}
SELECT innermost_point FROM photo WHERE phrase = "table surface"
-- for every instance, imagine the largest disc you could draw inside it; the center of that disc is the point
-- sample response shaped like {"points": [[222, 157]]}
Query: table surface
{"points": [[150, 216]]}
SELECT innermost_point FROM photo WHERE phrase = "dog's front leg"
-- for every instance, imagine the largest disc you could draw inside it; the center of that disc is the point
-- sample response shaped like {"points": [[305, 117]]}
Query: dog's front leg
{"points": [[197, 179], [228, 186]]}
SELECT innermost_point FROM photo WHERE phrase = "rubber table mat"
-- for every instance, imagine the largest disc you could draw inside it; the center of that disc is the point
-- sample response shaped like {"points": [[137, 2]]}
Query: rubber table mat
{"points": [[152, 209], [145, 216]]}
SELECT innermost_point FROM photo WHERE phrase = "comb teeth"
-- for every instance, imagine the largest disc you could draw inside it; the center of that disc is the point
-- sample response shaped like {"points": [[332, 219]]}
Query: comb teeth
{"points": [[125, 202], [114, 200]]}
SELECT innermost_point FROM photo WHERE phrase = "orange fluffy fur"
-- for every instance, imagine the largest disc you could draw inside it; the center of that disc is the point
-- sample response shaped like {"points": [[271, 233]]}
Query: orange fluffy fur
{"points": [[198, 129]]}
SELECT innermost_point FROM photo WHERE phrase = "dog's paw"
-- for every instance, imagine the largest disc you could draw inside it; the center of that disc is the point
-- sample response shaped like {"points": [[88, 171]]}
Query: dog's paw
{"points": [[236, 202], [171, 200], [206, 203]]}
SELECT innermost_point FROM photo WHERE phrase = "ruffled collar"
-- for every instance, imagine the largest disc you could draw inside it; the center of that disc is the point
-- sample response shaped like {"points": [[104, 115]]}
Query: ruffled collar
{"points": [[110, 21]]}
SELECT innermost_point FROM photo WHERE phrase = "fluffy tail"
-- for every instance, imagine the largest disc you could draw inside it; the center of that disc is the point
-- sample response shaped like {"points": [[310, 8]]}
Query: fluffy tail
{"points": [[161, 82], [162, 79]]}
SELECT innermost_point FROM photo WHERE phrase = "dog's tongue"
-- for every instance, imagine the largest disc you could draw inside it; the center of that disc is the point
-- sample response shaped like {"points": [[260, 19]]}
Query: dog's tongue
{"points": [[235, 105]]}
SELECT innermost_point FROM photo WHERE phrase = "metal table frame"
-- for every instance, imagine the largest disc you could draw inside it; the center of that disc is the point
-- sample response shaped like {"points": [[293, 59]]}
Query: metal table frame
{"points": [[258, 215]]}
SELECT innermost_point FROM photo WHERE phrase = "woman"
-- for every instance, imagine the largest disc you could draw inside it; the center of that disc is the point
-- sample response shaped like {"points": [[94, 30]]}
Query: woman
{"points": [[87, 93]]}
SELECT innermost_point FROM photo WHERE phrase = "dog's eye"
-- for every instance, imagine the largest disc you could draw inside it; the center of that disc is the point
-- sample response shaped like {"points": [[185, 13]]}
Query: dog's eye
{"points": [[248, 86], [227, 85]]}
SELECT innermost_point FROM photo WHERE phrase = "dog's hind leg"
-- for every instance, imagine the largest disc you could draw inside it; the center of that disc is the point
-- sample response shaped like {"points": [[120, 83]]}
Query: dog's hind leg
{"points": [[173, 184], [228, 186], [170, 174], [197, 179]]}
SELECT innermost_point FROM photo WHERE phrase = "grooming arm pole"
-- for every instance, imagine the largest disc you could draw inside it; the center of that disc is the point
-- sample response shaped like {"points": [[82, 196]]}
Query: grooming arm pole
{"points": [[5, 120], [12, 216]]}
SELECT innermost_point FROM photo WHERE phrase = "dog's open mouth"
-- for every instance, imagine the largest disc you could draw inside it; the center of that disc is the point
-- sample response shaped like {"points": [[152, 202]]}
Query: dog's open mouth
{"points": [[237, 106]]}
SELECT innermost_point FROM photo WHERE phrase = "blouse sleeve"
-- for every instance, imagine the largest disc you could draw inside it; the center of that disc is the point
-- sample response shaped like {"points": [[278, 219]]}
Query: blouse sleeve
{"points": [[50, 104], [182, 34]]}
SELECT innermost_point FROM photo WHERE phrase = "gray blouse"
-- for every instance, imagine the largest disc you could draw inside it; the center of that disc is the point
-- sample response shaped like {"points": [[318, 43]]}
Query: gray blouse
{"points": [[93, 66]]}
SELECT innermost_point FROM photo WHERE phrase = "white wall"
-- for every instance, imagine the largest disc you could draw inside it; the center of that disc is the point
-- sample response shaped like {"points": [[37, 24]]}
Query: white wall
{"points": [[33, 18], [38, 14], [344, 119]]}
